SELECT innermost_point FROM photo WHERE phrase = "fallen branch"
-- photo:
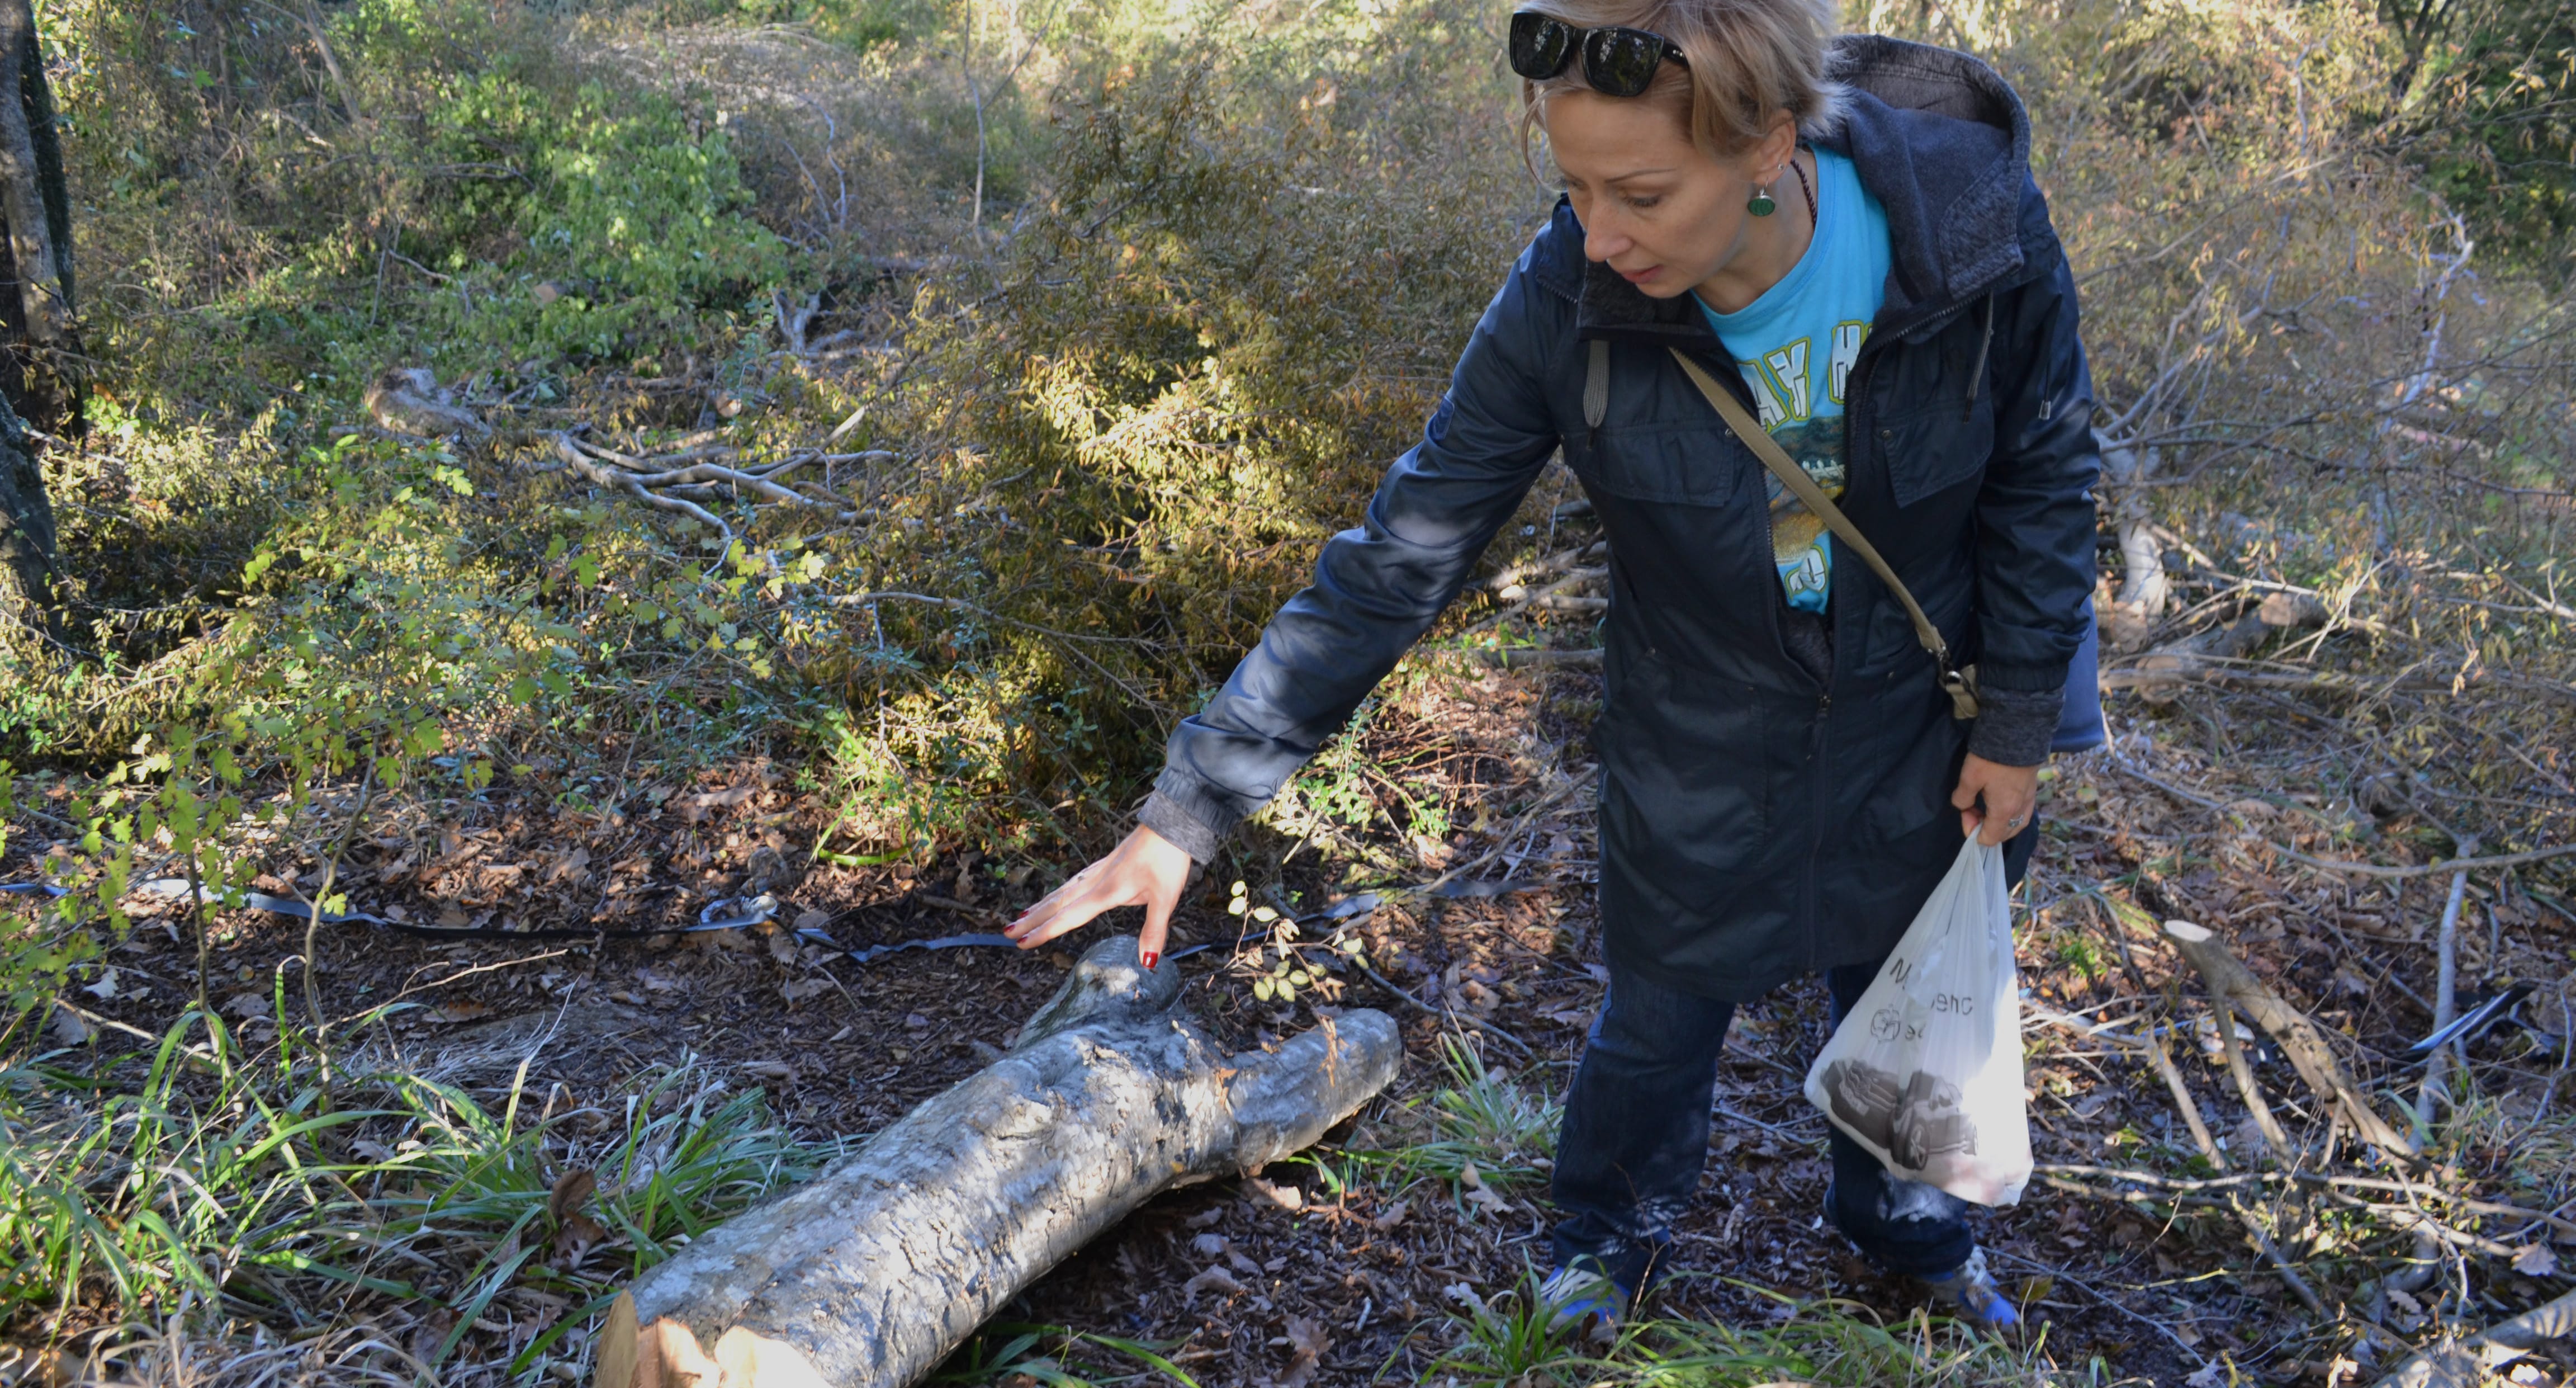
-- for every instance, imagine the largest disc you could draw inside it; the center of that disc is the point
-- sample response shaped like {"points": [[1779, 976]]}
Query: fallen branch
{"points": [[2419, 1222], [625, 481], [2262, 1241], [2189, 1107], [2467, 1362], [2468, 1203], [872, 1273], [2446, 989], [2298, 1037]]}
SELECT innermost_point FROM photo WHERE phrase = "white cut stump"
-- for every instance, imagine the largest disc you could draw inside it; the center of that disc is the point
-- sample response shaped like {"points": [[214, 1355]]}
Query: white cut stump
{"points": [[877, 1269]]}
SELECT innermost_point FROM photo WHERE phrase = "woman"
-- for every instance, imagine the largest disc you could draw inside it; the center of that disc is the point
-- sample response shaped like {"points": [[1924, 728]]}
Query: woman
{"points": [[1846, 234]]}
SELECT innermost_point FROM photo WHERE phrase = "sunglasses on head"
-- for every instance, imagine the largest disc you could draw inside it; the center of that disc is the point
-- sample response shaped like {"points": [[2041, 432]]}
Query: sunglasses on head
{"points": [[1616, 62]]}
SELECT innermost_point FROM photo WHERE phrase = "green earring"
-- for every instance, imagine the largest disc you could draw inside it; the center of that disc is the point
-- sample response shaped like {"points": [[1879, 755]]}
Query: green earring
{"points": [[1762, 205]]}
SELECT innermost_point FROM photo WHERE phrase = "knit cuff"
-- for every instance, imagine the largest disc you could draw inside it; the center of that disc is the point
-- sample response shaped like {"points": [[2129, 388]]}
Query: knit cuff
{"points": [[2015, 726], [1185, 831]]}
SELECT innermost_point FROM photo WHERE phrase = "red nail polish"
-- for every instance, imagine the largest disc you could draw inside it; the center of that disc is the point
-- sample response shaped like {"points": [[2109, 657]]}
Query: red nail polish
{"points": [[1150, 959]]}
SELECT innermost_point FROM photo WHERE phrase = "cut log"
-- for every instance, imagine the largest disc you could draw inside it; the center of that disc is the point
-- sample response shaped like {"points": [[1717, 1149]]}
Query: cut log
{"points": [[2230, 979], [872, 1273]]}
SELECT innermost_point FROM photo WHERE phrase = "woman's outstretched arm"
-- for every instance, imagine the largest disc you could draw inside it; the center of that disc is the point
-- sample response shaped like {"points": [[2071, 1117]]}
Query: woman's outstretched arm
{"points": [[1377, 588]]}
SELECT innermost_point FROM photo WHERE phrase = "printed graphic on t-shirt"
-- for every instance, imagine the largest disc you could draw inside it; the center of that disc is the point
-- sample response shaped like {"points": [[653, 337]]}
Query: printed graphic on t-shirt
{"points": [[1810, 431], [1798, 539], [1797, 344]]}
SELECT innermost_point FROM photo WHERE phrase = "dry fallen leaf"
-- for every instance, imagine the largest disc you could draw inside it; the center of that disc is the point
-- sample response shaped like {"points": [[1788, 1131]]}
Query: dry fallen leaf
{"points": [[70, 1029], [1210, 1245], [1285, 1197], [814, 919], [1216, 1278], [771, 1070], [1476, 1192], [571, 1191], [575, 1237], [655, 979], [2538, 1260], [246, 1005], [1394, 1216], [1306, 1339], [571, 865], [801, 989]]}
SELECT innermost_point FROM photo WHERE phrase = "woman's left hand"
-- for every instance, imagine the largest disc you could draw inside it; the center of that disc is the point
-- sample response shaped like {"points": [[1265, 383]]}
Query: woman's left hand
{"points": [[2007, 793]]}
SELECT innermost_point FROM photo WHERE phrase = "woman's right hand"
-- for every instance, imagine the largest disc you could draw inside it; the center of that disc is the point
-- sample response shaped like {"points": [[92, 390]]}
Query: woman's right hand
{"points": [[1147, 870]]}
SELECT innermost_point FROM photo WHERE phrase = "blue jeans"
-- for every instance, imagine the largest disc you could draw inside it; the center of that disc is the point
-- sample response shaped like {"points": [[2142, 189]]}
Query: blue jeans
{"points": [[1635, 1136]]}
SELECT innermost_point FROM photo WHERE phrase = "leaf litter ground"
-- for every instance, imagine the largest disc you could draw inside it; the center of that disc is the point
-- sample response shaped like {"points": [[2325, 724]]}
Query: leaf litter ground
{"points": [[1381, 1255]]}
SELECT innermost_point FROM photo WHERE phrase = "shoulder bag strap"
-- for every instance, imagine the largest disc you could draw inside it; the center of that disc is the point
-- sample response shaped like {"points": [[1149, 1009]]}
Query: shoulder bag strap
{"points": [[1959, 684]]}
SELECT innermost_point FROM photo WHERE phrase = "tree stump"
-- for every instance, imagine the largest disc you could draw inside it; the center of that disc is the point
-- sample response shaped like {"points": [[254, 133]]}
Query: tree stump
{"points": [[872, 1273]]}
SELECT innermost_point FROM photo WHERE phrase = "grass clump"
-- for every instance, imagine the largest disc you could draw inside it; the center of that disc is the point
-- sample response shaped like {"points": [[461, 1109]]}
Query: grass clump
{"points": [[1483, 1131], [250, 1184], [1505, 1342]]}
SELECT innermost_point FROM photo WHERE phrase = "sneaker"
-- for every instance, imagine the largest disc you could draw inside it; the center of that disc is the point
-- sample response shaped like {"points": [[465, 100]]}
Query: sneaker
{"points": [[1968, 1292], [1579, 1294]]}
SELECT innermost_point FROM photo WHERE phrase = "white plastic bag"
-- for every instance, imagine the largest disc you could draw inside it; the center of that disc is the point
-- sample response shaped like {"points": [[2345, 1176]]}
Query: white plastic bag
{"points": [[1925, 1072]]}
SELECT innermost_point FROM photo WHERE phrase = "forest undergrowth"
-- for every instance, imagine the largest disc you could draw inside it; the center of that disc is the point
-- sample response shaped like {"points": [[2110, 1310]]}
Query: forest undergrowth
{"points": [[568, 467]]}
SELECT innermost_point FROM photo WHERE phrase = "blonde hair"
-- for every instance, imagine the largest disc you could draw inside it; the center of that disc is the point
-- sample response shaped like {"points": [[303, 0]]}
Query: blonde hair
{"points": [[1749, 60]]}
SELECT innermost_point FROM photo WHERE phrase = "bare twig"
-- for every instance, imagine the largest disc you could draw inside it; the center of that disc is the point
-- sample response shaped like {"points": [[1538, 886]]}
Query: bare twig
{"points": [[2450, 1365], [2183, 1102], [2271, 1252], [322, 893], [572, 458], [1452, 1013], [2298, 1037], [2446, 990], [2338, 1181], [2243, 1074]]}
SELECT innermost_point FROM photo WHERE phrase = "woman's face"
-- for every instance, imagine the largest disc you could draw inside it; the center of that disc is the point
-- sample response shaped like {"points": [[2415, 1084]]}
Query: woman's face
{"points": [[1655, 208]]}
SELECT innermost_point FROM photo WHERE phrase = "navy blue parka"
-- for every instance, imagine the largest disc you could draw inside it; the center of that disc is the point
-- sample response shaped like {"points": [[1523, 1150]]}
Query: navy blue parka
{"points": [[1763, 813]]}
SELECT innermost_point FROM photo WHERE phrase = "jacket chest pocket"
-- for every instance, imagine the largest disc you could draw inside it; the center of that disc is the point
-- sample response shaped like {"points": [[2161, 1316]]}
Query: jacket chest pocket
{"points": [[1931, 449], [1679, 464]]}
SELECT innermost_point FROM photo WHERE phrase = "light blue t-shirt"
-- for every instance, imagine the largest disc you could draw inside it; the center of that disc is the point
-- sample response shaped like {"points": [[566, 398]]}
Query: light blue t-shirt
{"points": [[1796, 345]]}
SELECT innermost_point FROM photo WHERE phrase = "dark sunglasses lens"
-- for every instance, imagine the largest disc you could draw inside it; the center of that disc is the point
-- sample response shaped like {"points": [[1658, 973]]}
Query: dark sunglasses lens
{"points": [[1620, 62], [1540, 46]]}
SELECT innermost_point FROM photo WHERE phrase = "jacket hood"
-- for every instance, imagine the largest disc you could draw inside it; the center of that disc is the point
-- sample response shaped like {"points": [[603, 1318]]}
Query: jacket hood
{"points": [[1944, 145]]}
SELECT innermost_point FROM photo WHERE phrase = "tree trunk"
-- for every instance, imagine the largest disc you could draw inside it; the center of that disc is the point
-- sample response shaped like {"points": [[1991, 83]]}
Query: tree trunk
{"points": [[40, 350], [26, 526], [879, 1268]]}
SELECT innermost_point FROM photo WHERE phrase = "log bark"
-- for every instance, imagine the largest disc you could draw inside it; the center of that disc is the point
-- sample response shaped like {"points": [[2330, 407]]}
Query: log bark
{"points": [[2229, 979], [872, 1273]]}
